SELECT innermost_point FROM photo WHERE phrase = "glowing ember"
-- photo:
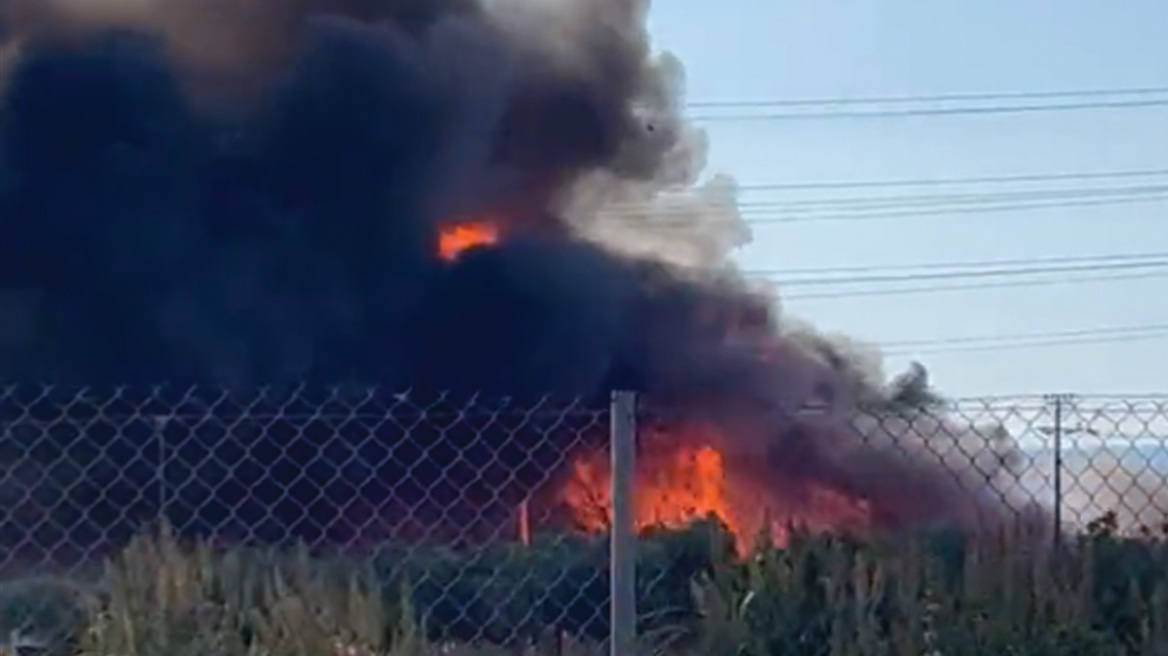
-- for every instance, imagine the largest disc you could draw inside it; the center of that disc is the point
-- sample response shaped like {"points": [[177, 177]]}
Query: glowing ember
{"points": [[679, 481], [456, 238]]}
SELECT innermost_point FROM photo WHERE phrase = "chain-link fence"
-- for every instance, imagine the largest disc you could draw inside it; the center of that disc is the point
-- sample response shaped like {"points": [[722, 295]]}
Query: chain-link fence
{"points": [[494, 516]]}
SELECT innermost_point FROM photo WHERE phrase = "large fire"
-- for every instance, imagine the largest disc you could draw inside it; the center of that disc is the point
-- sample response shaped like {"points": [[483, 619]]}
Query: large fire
{"points": [[687, 484], [455, 238], [679, 480]]}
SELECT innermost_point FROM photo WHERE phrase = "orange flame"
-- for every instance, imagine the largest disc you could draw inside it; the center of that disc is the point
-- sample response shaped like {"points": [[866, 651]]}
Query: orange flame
{"points": [[686, 485], [679, 481], [455, 238]]}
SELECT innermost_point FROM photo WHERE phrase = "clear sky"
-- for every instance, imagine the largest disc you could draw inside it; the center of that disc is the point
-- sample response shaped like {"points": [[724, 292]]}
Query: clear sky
{"points": [[775, 50]]}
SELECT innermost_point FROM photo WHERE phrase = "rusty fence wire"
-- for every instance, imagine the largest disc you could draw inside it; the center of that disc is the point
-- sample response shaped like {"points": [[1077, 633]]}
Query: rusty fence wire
{"points": [[497, 514]]}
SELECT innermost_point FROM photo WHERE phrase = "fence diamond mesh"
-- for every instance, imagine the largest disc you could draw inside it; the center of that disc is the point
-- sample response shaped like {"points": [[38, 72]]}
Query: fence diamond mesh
{"points": [[490, 517], [447, 493]]}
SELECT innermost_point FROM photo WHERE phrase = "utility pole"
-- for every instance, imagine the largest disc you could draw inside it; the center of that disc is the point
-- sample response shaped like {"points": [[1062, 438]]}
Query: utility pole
{"points": [[1056, 431], [1058, 469]]}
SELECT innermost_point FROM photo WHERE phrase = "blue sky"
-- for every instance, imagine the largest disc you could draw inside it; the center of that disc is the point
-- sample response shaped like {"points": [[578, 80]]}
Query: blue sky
{"points": [[763, 49]]}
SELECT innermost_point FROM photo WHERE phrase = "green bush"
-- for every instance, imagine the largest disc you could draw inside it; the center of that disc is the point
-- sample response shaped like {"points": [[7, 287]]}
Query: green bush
{"points": [[936, 594]]}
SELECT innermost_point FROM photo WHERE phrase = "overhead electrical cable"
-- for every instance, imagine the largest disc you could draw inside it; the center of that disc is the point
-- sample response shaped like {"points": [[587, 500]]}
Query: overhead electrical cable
{"points": [[1028, 340], [1005, 284], [978, 180], [934, 198], [942, 212], [959, 199], [1079, 332], [1156, 256], [936, 111], [977, 273], [954, 97], [876, 208]]}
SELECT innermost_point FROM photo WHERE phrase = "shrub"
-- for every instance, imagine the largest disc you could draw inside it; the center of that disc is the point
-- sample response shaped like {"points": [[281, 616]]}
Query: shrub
{"points": [[827, 596], [1099, 595]]}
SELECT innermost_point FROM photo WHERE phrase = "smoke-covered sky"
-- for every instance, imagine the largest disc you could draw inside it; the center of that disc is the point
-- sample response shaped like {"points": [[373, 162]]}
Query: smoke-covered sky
{"points": [[247, 192], [210, 191]]}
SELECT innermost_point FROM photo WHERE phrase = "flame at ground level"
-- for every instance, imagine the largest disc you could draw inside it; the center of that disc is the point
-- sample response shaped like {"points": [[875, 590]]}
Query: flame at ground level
{"points": [[679, 480], [455, 238], [687, 484]]}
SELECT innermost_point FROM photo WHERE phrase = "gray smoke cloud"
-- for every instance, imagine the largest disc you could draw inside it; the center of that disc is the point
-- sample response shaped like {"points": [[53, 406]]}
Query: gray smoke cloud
{"points": [[242, 192]]}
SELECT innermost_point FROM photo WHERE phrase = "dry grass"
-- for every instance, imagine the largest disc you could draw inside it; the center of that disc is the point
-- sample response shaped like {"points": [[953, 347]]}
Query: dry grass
{"points": [[821, 597], [159, 598]]}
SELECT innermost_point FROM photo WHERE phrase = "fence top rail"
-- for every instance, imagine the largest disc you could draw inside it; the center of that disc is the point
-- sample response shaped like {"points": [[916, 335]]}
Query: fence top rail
{"points": [[1065, 396]]}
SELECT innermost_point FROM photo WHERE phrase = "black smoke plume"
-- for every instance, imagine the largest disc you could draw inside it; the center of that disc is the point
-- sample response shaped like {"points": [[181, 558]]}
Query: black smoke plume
{"points": [[235, 193]]}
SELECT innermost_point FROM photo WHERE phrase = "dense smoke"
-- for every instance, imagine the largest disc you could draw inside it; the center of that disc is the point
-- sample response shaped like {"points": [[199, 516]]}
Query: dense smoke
{"points": [[245, 192]]}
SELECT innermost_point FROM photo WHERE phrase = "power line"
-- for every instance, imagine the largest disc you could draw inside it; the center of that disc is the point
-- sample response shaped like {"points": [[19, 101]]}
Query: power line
{"points": [[934, 206], [941, 212], [1007, 284], [1135, 337], [926, 182], [956, 97], [1161, 256], [919, 199], [1030, 340], [980, 273], [1080, 332], [960, 199], [936, 111]]}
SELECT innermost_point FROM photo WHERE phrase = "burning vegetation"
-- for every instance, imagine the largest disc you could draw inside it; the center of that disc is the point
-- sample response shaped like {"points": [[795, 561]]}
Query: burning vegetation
{"points": [[681, 478]]}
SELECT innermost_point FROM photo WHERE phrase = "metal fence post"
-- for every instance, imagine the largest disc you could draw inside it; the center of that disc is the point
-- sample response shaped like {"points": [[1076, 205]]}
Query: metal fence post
{"points": [[622, 572], [160, 422], [1057, 434]]}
